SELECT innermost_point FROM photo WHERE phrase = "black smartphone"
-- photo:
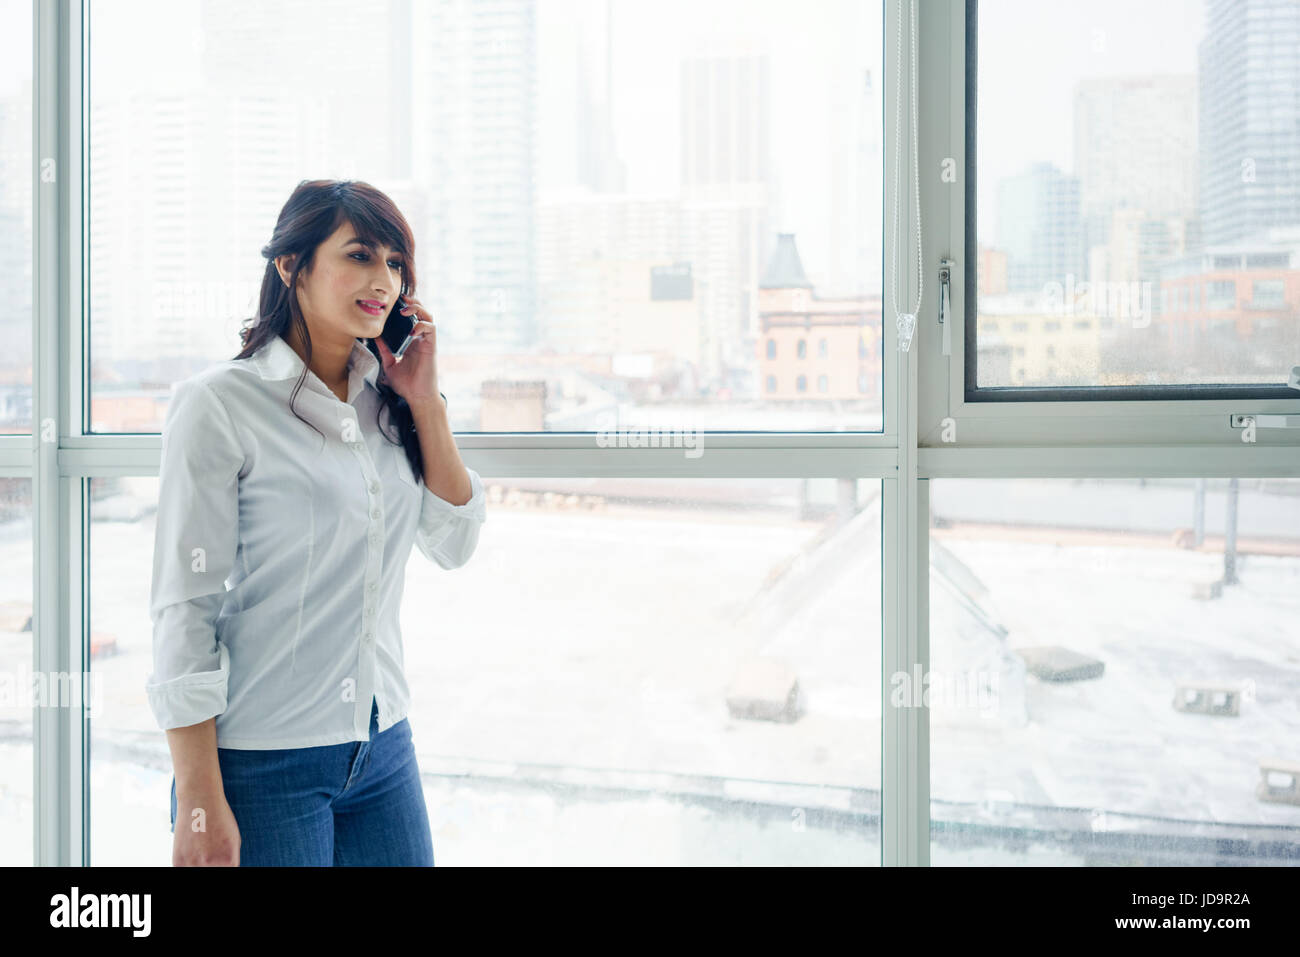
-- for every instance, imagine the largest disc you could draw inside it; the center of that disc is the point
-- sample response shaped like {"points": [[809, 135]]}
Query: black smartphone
{"points": [[397, 333], [397, 330]]}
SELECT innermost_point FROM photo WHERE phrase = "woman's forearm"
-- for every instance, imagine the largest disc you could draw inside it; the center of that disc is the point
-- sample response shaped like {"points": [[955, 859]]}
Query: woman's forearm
{"points": [[194, 758], [444, 472]]}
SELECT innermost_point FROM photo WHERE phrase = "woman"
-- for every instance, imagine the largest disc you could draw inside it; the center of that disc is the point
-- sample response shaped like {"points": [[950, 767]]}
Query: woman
{"points": [[299, 473]]}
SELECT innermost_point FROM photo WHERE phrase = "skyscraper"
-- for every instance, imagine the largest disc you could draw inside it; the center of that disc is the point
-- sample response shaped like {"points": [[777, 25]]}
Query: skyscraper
{"points": [[475, 93], [599, 165], [1038, 226], [1134, 148], [1249, 118], [726, 186]]}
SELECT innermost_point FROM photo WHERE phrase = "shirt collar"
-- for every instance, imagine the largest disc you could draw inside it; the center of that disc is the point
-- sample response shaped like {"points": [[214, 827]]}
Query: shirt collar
{"points": [[276, 359]]}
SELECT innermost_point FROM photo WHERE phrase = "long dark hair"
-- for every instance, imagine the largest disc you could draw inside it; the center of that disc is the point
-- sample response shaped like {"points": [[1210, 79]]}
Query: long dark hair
{"points": [[310, 216]]}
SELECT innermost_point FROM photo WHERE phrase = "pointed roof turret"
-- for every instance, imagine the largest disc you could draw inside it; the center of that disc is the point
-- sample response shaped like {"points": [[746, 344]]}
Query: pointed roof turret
{"points": [[784, 270]]}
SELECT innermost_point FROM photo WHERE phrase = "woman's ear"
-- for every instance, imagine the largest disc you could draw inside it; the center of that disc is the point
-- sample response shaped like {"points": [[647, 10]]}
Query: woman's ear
{"points": [[284, 266]]}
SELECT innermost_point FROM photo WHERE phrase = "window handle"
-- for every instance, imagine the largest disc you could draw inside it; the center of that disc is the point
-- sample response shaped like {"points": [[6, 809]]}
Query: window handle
{"points": [[945, 303], [1240, 420]]}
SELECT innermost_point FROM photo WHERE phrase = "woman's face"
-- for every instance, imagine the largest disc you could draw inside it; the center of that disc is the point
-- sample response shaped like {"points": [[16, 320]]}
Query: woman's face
{"points": [[344, 273]]}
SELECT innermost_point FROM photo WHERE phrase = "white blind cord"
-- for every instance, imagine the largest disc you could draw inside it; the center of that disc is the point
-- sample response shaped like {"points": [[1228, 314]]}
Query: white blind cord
{"points": [[905, 321]]}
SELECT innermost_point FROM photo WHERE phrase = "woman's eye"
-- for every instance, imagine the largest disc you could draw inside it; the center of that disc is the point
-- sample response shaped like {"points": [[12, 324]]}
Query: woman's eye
{"points": [[362, 257]]}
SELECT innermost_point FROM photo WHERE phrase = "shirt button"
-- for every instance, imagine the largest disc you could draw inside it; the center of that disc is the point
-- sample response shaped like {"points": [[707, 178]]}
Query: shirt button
{"points": [[370, 587], [375, 513], [374, 486]]}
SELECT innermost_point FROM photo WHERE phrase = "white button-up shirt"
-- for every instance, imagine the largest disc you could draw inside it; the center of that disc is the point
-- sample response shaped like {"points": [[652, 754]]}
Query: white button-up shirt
{"points": [[280, 554]]}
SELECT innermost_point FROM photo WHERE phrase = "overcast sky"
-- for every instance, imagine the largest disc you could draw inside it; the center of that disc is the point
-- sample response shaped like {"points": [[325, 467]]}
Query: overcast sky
{"points": [[1033, 53]]}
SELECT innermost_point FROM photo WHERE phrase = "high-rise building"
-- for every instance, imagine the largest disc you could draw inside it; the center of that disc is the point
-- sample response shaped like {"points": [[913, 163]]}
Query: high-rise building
{"points": [[1038, 227], [1135, 148], [726, 190], [475, 93], [857, 185], [724, 115], [599, 166], [1249, 118]]}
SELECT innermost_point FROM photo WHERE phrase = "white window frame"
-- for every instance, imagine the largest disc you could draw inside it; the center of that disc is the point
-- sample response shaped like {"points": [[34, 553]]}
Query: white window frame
{"points": [[1057, 430]]}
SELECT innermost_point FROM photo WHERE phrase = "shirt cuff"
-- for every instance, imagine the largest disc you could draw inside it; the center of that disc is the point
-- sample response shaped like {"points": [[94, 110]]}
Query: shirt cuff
{"points": [[447, 533], [190, 698]]}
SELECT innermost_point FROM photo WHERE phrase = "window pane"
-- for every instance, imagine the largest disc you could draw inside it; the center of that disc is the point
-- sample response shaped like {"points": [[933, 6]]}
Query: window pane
{"points": [[130, 762], [612, 687], [633, 701], [16, 215], [1117, 666], [618, 214], [1148, 179], [16, 818]]}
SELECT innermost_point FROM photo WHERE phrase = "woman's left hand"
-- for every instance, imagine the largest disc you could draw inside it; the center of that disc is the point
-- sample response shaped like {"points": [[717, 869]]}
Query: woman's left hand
{"points": [[414, 376]]}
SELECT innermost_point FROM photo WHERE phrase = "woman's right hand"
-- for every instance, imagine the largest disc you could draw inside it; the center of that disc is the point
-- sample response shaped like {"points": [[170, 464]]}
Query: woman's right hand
{"points": [[207, 839]]}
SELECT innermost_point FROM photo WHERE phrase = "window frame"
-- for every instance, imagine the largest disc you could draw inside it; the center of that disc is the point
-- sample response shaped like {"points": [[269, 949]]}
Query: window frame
{"points": [[1018, 416]]}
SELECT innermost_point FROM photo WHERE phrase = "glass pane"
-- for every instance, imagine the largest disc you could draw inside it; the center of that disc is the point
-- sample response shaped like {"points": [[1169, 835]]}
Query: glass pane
{"points": [[622, 211], [633, 702], [1117, 666], [1139, 202], [16, 215], [600, 717], [130, 763], [20, 691]]}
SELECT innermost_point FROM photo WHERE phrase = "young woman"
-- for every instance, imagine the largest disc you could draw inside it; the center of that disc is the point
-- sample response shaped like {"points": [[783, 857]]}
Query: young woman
{"points": [[299, 474]]}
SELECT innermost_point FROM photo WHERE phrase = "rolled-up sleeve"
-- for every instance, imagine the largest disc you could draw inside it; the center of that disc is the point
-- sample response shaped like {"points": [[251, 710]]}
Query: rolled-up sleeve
{"points": [[448, 534], [195, 541]]}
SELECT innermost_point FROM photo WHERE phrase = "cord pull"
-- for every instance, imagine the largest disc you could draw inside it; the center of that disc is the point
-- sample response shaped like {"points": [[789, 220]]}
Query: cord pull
{"points": [[906, 323]]}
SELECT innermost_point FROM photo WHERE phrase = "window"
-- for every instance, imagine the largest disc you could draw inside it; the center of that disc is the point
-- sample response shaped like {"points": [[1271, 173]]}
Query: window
{"points": [[533, 256], [1268, 293], [510, 273], [16, 819], [1141, 596], [1091, 226], [16, 220], [672, 715], [1221, 295]]}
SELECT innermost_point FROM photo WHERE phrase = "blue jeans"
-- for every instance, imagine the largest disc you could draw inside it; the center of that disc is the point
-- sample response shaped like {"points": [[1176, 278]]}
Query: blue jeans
{"points": [[356, 803]]}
